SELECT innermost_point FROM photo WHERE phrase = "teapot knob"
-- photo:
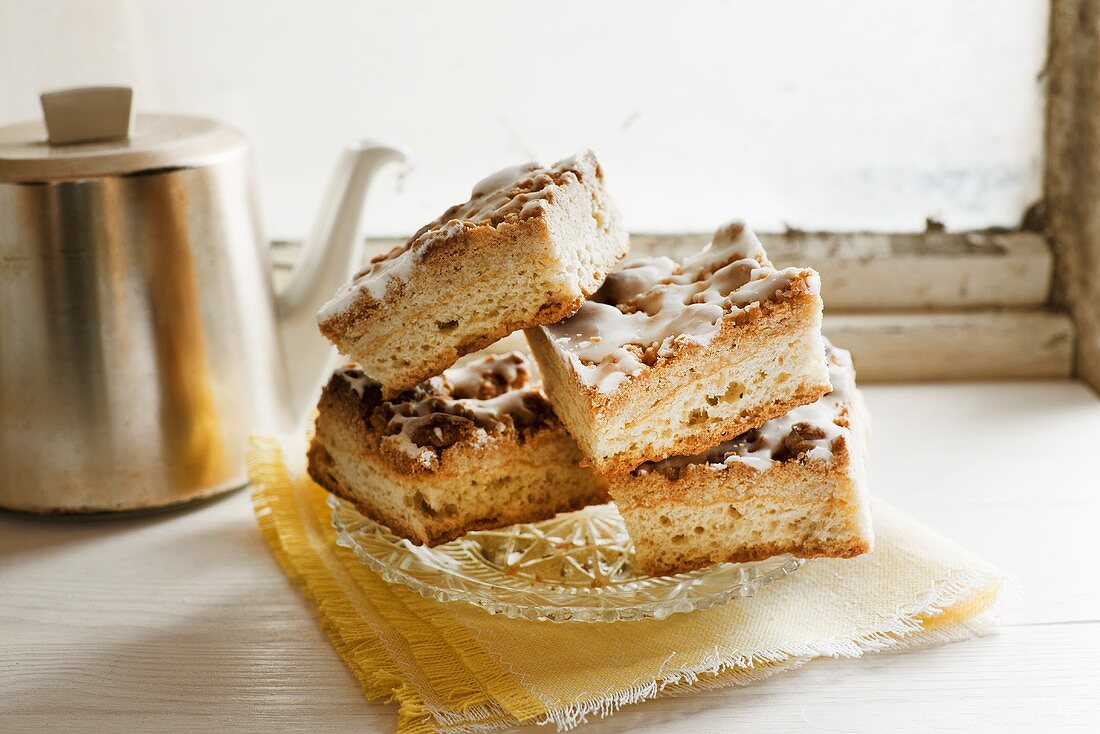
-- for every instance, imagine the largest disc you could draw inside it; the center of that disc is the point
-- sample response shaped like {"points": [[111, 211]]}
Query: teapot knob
{"points": [[88, 114]]}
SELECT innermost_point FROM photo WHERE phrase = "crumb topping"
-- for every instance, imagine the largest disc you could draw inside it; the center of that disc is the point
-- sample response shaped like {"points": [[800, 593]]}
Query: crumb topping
{"points": [[510, 195], [805, 434], [650, 306], [466, 404]]}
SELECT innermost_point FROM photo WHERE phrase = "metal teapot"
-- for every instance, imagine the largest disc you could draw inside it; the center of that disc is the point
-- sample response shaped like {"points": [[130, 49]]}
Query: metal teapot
{"points": [[141, 339]]}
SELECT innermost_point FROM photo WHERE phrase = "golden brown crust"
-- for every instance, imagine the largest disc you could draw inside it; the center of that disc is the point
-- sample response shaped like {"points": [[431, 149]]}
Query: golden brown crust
{"points": [[485, 277], [550, 312], [785, 313], [693, 444], [755, 326], [847, 548], [366, 414], [524, 238], [826, 494], [728, 507], [699, 485], [522, 245], [321, 471], [344, 425]]}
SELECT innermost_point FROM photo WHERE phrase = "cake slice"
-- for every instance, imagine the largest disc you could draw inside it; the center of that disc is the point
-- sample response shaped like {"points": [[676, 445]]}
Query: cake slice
{"points": [[672, 358], [526, 249], [793, 485], [475, 448]]}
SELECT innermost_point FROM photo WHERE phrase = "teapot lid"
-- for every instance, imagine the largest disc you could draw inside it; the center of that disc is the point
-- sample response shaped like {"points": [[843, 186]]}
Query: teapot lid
{"points": [[91, 132]]}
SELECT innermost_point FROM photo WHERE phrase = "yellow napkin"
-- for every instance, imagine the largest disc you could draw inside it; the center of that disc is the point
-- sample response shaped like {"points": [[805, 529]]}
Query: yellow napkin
{"points": [[452, 667]]}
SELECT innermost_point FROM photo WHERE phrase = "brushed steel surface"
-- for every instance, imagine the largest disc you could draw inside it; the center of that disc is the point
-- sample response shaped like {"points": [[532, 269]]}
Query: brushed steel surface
{"points": [[138, 341]]}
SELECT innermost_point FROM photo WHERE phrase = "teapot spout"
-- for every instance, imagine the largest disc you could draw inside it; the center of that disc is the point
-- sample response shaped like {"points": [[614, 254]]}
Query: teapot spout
{"points": [[330, 256]]}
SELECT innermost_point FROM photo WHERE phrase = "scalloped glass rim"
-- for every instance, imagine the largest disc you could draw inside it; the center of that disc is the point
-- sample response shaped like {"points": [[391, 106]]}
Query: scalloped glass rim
{"points": [[572, 568]]}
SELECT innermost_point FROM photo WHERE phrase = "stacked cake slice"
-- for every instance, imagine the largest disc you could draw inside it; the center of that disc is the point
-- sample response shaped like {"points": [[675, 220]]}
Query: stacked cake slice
{"points": [[671, 358], [477, 447], [792, 485], [526, 249], [699, 393]]}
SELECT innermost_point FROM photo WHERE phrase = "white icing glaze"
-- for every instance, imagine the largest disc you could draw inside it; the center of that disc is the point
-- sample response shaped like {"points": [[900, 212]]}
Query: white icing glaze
{"points": [[486, 375], [656, 303], [514, 193], [502, 178], [487, 414], [355, 379], [812, 427]]}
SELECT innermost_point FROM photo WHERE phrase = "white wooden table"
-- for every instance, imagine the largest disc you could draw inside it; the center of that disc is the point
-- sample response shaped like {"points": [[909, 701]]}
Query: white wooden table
{"points": [[183, 621]]}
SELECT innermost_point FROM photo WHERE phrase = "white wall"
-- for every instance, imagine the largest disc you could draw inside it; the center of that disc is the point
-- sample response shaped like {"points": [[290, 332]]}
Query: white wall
{"points": [[838, 115]]}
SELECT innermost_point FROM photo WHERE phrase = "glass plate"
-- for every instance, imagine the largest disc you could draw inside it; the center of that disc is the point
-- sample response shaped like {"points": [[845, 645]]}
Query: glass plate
{"points": [[576, 567]]}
